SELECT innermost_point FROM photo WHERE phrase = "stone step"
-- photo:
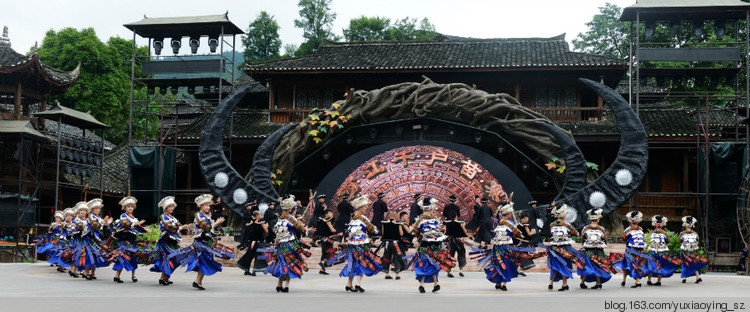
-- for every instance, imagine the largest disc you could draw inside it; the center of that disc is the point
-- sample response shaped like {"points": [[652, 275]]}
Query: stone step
{"points": [[314, 259]]}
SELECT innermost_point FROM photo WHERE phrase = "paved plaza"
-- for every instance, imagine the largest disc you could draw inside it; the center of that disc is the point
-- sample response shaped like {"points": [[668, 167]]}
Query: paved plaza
{"points": [[38, 284]]}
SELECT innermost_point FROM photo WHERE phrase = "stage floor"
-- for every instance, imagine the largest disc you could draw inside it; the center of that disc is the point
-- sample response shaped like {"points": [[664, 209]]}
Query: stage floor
{"points": [[36, 287]]}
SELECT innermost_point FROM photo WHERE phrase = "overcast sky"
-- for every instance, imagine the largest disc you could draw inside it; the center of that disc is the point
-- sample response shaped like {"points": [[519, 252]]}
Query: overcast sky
{"points": [[29, 20]]}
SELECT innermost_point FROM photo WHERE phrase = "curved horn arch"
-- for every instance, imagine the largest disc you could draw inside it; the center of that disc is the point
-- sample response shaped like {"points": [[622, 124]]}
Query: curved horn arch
{"points": [[632, 156], [223, 180], [575, 164]]}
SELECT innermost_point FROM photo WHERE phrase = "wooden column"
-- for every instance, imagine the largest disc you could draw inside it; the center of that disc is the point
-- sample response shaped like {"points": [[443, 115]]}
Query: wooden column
{"points": [[41, 109], [685, 173], [517, 89], [17, 104]]}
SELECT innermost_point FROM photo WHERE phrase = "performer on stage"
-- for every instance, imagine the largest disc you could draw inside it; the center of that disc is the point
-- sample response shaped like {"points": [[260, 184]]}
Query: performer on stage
{"points": [[456, 231], [692, 261], [359, 254], [502, 260], [318, 211], [271, 216], [126, 249], [430, 257], [379, 208], [473, 225], [67, 242], [78, 255], [286, 261], [393, 231], [451, 211], [415, 210], [256, 228], [560, 253], [168, 243], [49, 243], [661, 263], [325, 233], [200, 256], [345, 211], [599, 267], [94, 239], [484, 223], [634, 261]]}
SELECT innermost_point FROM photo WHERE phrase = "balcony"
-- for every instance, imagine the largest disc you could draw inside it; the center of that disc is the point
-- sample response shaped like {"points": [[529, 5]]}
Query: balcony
{"points": [[570, 113], [288, 115]]}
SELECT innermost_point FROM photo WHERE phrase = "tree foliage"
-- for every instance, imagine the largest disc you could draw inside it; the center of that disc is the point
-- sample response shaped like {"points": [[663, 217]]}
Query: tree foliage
{"points": [[607, 35], [380, 29], [367, 29], [103, 88], [262, 41], [316, 20]]}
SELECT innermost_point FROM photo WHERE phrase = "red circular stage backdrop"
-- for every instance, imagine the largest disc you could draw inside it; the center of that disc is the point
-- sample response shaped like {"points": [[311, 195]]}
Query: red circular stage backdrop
{"points": [[429, 170]]}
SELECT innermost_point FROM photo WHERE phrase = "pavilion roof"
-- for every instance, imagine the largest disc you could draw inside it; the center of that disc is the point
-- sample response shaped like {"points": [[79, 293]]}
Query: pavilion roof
{"points": [[12, 61]]}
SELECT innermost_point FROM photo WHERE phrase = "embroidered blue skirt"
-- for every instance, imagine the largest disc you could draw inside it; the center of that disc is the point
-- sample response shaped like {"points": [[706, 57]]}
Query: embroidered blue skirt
{"points": [[360, 260]]}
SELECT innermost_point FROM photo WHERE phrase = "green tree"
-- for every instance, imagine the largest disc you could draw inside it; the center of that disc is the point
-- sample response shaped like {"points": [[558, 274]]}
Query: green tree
{"points": [[607, 35], [262, 41], [316, 20], [407, 29], [367, 29], [103, 87]]}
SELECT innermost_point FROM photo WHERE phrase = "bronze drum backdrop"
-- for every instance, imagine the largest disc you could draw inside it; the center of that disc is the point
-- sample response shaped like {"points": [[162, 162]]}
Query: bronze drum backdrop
{"points": [[431, 168]]}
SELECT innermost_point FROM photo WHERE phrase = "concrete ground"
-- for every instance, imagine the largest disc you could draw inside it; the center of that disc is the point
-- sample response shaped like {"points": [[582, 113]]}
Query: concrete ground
{"points": [[33, 286]]}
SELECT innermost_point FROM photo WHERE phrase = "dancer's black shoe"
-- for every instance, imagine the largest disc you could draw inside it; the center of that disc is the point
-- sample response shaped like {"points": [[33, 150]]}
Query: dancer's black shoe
{"points": [[199, 286], [564, 288], [436, 288], [421, 289]]}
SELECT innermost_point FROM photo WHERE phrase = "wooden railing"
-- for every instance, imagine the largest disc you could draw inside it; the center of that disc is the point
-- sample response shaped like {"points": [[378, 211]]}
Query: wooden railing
{"points": [[668, 205], [288, 115], [570, 113]]}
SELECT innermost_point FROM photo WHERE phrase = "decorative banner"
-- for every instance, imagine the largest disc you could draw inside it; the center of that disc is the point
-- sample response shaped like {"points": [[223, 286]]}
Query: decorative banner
{"points": [[430, 170]]}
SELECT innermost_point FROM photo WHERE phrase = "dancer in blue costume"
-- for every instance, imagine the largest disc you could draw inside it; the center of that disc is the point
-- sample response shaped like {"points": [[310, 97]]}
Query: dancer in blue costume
{"points": [[560, 253], [49, 243], [286, 258], [167, 254], [634, 261], [692, 261], [502, 260], [66, 238], [599, 268], [96, 255], [430, 257], [358, 255], [79, 253], [661, 263], [200, 256], [126, 250]]}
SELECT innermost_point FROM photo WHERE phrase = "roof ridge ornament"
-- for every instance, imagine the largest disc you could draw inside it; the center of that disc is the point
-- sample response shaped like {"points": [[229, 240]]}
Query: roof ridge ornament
{"points": [[4, 40]]}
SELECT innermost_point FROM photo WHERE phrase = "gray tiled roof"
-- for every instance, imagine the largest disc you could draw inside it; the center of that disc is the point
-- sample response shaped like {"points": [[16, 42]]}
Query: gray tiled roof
{"points": [[487, 54], [248, 124], [663, 123], [11, 61]]}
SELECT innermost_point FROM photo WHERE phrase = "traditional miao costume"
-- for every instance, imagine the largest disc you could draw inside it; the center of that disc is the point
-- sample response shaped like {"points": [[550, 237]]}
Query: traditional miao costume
{"points": [[78, 254], [502, 261], [166, 255], [359, 253], [430, 257], [49, 244], [692, 261], [661, 263], [597, 264], [199, 257], [126, 251], [634, 260], [560, 253], [286, 258], [96, 255]]}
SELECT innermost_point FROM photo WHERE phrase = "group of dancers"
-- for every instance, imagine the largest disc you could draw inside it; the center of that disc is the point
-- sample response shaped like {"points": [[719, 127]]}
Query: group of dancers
{"points": [[274, 243], [82, 241]]}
